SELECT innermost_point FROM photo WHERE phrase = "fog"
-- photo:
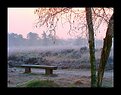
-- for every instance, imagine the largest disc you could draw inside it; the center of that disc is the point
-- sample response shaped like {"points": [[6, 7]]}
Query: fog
{"points": [[16, 43], [64, 53]]}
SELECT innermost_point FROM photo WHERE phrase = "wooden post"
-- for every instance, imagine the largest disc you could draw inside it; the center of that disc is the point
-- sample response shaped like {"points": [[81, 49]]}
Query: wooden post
{"points": [[48, 71], [27, 70]]}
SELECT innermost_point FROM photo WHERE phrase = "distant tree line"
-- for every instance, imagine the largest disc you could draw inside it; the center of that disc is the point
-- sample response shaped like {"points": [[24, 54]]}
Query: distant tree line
{"points": [[33, 39]]}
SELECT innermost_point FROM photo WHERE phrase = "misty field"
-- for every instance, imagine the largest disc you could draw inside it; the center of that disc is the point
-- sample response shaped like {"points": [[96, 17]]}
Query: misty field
{"points": [[72, 62]]}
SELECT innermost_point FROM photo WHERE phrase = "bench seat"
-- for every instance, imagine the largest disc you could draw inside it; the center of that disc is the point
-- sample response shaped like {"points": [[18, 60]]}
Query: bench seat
{"points": [[48, 69]]}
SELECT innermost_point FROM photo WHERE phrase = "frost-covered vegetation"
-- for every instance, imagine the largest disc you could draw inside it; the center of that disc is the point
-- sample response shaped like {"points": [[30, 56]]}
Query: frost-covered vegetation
{"points": [[64, 53], [63, 57]]}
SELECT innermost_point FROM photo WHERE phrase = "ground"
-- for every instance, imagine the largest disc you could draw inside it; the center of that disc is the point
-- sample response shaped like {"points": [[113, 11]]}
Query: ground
{"points": [[63, 77], [73, 66]]}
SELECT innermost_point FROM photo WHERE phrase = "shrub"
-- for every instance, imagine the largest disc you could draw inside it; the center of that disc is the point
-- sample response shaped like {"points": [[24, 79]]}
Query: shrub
{"points": [[39, 83]]}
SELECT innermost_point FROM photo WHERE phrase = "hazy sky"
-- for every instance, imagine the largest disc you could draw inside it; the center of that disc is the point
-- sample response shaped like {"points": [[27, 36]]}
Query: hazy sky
{"points": [[21, 21]]}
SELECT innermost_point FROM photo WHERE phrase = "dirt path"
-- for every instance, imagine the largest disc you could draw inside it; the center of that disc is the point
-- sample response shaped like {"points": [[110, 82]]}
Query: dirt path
{"points": [[64, 77]]}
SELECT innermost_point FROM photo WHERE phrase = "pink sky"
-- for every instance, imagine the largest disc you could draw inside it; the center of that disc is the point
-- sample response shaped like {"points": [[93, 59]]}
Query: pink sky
{"points": [[21, 21]]}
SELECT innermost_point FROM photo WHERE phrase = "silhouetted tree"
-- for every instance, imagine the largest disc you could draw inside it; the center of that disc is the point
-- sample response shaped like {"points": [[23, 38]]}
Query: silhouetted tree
{"points": [[44, 38], [33, 38], [15, 39]]}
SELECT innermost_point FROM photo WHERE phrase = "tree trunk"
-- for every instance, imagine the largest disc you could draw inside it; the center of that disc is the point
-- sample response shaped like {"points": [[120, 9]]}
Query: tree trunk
{"points": [[105, 52], [91, 46]]}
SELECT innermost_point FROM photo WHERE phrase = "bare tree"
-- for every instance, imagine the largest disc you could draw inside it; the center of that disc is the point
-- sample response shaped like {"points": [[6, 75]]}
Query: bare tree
{"points": [[81, 21], [103, 14], [91, 46], [105, 51], [107, 42]]}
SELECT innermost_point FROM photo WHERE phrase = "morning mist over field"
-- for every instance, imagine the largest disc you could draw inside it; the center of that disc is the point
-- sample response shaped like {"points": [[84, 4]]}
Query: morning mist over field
{"points": [[60, 47]]}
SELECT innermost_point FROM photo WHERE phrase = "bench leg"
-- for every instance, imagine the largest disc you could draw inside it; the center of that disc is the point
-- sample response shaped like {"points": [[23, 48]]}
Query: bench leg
{"points": [[48, 71], [27, 70]]}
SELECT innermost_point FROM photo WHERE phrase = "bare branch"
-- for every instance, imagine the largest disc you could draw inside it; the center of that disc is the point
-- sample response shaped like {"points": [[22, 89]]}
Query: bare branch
{"points": [[75, 17]]}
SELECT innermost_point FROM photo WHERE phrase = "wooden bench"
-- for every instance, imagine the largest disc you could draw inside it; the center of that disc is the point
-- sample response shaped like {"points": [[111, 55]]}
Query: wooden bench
{"points": [[48, 69]]}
